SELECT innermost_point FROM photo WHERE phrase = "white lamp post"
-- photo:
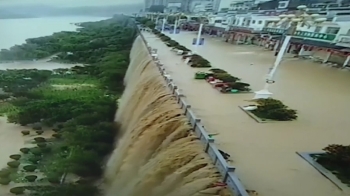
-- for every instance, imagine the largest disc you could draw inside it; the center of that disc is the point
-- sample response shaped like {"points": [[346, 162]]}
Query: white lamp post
{"points": [[293, 21], [199, 35], [163, 25], [175, 26], [177, 21], [157, 19]]}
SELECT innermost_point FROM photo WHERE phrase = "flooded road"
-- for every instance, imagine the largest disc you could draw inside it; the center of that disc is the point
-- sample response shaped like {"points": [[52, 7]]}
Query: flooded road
{"points": [[265, 154]]}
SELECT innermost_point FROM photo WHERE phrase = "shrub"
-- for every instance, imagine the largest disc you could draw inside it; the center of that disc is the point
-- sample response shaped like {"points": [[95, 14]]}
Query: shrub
{"points": [[337, 155], [25, 132], [34, 159], [183, 48], [4, 173], [37, 127], [46, 149], [15, 157], [40, 139], [24, 150], [59, 126], [13, 164], [241, 86], [31, 178], [39, 132], [199, 61], [54, 179], [172, 43], [274, 109], [30, 168], [5, 181], [41, 145], [165, 38], [56, 135], [225, 77], [56, 130], [36, 151], [17, 190], [216, 70]]}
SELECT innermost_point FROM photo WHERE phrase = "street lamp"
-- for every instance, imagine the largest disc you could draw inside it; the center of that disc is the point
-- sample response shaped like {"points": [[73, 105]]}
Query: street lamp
{"points": [[199, 33], [164, 21], [177, 21], [292, 20]]}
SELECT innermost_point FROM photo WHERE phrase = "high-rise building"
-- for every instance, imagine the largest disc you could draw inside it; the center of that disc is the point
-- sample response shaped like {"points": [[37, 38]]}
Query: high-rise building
{"points": [[149, 3]]}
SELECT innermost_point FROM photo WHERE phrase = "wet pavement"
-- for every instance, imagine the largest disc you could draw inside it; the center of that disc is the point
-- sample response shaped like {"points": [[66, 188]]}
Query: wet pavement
{"points": [[265, 153]]}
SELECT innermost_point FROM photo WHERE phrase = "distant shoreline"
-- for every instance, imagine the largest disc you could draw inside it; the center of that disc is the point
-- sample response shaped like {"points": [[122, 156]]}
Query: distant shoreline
{"points": [[54, 16]]}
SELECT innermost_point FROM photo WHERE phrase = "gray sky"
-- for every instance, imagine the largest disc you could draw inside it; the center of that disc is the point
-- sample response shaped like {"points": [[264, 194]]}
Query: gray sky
{"points": [[69, 3]]}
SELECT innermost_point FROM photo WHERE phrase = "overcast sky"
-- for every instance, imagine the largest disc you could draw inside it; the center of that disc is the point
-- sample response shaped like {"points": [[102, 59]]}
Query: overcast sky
{"points": [[69, 3]]}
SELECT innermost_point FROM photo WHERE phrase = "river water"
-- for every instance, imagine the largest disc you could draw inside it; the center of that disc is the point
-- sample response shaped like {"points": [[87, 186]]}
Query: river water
{"points": [[16, 31]]}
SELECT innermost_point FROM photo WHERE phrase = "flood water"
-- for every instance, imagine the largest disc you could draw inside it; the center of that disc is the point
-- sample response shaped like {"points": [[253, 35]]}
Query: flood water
{"points": [[265, 154], [16, 31], [156, 155]]}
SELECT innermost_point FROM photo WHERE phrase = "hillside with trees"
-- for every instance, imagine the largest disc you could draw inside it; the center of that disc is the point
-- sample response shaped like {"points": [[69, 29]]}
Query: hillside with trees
{"points": [[75, 107]]}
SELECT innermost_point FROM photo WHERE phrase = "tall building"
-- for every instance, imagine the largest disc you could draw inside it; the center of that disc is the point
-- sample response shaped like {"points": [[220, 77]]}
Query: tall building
{"points": [[149, 3]]}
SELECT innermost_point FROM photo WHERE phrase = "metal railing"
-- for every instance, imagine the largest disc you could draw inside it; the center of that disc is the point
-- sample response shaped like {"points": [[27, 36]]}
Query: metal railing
{"points": [[227, 171]]}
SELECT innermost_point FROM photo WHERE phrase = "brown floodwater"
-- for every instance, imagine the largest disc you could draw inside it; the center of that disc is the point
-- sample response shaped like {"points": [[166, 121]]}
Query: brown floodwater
{"points": [[265, 154], [42, 64], [156, 153], [12, 140]]}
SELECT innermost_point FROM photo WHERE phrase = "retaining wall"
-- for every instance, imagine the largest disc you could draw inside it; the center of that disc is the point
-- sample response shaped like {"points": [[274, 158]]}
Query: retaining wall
{"points": [[227, 171]]}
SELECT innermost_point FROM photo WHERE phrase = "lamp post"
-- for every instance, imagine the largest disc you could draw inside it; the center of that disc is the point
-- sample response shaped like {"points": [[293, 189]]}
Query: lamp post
{"points": [[177, 19], [198, 35], [293, 21], [157, 19], [163, 25]]}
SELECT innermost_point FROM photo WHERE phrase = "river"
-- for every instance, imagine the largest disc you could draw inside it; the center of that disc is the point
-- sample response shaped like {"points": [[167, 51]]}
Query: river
{"points": [[16, 31]]}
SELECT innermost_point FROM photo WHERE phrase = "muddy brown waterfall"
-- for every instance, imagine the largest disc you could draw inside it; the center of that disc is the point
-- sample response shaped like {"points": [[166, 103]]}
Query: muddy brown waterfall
{"points": [[156, 153]]}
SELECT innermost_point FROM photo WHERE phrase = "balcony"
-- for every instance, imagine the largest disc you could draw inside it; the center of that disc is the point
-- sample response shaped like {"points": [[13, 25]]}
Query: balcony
{"points": [[244, 29], [317, 36], [344, 40], [274, 30]]}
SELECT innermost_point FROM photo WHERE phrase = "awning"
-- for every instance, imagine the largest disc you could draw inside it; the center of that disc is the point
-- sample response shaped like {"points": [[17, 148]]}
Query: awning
{"points": [[297, 40]]}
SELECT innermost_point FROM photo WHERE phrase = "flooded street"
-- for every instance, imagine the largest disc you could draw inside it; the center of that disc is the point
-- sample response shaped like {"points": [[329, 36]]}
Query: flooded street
{"points": [[265, 154]]}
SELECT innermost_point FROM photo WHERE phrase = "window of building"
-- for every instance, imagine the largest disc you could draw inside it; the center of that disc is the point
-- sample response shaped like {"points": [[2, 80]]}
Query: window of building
{"points": [[332, 30], [282, 4], [260, 22], [318, 29], [253, 22]]}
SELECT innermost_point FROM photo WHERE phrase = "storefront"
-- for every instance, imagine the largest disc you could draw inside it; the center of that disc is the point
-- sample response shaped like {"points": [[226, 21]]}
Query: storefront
{"points": [[241, 35]]}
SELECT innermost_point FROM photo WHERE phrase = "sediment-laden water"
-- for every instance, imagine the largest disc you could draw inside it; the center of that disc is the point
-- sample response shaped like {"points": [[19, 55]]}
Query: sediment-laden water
{"points": [[156, 153]]}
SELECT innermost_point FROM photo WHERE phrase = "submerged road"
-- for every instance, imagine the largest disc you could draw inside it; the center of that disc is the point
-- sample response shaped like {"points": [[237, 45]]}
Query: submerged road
{"points": [[265, 154]]}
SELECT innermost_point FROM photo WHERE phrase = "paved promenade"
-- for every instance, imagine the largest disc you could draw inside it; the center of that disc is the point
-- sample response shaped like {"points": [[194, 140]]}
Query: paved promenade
{"points": [[265, 154]]}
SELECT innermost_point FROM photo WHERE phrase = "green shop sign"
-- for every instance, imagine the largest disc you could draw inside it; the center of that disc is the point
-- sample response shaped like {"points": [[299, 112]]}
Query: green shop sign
{"points": [[274, 30], [322, 36]]}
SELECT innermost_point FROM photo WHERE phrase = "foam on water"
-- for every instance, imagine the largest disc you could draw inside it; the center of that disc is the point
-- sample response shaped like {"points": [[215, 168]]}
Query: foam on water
{"points": [[156, 153]]}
